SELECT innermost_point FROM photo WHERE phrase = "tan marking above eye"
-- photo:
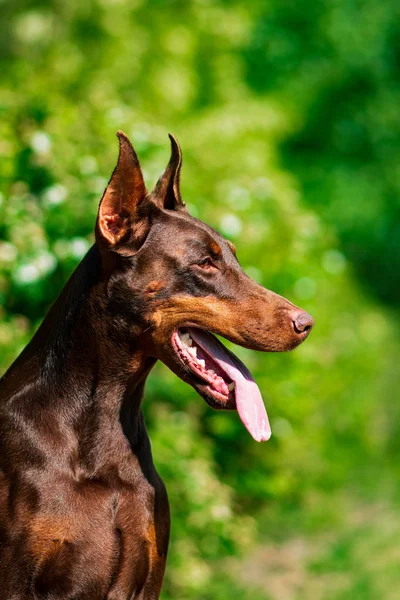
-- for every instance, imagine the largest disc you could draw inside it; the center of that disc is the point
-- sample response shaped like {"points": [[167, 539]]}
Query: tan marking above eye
{"points": [[215, 249]]}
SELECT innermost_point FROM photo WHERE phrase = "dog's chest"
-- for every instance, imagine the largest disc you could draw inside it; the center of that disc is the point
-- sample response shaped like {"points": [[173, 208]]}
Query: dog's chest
{"points": [[78, 538]]}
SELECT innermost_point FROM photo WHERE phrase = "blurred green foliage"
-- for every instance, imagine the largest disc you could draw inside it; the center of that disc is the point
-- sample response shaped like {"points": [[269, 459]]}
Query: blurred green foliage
{"points": [[287, 113]]}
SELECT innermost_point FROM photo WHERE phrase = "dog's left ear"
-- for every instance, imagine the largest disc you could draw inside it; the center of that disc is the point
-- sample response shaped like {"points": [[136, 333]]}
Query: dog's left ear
{"points": [[166, 193], [123, 212]]}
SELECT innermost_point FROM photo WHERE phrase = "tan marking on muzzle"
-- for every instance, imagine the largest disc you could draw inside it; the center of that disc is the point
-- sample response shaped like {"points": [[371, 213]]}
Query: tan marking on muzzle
{"points": [[258, 321]]}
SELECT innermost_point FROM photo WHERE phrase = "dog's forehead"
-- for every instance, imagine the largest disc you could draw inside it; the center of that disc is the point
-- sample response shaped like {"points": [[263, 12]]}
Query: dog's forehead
{"points": [[184, 229]]}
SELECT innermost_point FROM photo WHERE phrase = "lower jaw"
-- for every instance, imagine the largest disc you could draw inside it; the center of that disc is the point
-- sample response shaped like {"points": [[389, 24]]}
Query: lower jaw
{"points": [[215, 399]]}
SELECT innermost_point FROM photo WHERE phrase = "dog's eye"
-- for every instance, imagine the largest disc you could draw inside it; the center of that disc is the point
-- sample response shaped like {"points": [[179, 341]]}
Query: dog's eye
{"points": [[206, 263]]}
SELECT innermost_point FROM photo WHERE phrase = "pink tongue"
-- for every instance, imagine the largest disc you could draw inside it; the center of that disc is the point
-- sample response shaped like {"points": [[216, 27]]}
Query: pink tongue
{"points": [[248, 397]]}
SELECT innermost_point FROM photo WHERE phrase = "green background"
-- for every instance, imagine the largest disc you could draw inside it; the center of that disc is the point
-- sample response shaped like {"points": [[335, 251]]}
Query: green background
{"points": [[288, 116]]}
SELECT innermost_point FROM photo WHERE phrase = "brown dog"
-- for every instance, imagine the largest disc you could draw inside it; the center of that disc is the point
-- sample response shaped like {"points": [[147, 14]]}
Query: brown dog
{"points": [[83, 512]]}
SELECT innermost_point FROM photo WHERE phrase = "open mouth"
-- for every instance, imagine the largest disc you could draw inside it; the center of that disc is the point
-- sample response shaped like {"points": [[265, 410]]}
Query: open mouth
{"points": [[222, 379]]}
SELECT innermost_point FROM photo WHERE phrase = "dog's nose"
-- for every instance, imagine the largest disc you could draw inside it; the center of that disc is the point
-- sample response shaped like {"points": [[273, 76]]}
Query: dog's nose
{"points": [[302, 322]]}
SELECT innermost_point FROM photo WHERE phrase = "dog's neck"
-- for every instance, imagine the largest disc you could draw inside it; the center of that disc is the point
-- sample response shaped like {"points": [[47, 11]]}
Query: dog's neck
{"points": [[79, 367]]}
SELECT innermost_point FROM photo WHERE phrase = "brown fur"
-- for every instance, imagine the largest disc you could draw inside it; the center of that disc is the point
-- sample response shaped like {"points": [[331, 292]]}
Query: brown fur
{"points": [[83, 512]]}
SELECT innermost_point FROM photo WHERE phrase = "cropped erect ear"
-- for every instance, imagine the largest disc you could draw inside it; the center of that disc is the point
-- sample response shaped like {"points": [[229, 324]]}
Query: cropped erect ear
{"points": [[166, 193], [121, 216]]}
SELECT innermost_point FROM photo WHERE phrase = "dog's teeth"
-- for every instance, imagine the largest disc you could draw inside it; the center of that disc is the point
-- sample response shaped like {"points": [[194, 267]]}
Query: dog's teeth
{"points": [[185, 337], [211, 372], [190, 341], [202, 363], [231, 386], [192, 351]]}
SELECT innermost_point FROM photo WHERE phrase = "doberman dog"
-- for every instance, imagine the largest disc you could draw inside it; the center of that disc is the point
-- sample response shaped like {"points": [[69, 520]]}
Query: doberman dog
{"points": [[83, 513]]}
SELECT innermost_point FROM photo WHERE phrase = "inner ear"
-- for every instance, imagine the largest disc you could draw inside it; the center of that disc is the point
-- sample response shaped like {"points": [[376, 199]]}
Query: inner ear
{"points": [[122, 210], [166, 193]]}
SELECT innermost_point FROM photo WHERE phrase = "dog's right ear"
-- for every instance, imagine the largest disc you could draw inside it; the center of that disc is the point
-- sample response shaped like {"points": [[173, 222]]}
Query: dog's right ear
{"points": [[122, 219], [166, 193]]}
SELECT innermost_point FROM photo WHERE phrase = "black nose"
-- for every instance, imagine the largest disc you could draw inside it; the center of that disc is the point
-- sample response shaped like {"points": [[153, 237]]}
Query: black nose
{"points": [[303, 322]]}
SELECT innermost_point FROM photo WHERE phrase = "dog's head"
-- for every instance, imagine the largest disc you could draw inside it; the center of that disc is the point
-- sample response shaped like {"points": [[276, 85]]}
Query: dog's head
{"points": [[178, 281]]}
